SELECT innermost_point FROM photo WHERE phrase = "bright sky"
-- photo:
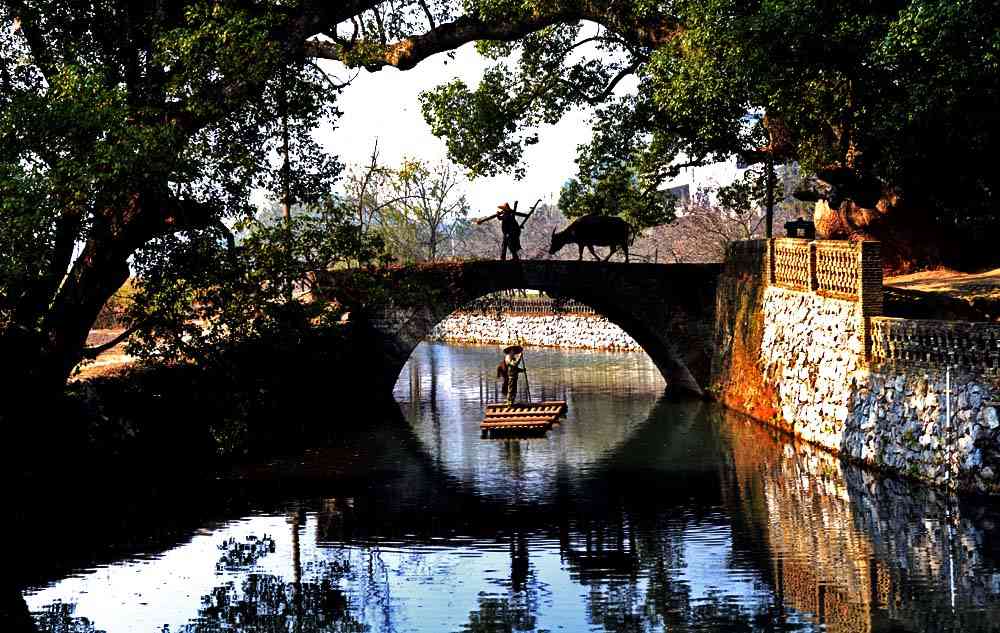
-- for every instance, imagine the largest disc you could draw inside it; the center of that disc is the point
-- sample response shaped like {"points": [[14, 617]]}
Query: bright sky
{"points": [[384, 105]]}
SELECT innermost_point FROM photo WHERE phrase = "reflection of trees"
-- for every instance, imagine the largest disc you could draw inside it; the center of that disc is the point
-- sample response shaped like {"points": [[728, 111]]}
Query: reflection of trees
{"points": [[267, 602], [497, 615], [58, 618], [633, 583], [236, 555], [259, 603]]}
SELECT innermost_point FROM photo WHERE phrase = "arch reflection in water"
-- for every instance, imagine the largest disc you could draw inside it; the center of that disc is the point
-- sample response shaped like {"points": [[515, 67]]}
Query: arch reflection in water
{"points": [[682, 517], [443, 391]]}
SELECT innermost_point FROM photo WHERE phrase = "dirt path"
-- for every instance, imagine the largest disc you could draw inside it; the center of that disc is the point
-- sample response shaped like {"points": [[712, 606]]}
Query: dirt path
{"points": [[952, 283], [944, 294], [108, 362]]}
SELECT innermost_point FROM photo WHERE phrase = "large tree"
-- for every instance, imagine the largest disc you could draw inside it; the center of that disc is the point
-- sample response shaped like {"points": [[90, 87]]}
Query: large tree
{"points": [[892, 106], [125, 122]]}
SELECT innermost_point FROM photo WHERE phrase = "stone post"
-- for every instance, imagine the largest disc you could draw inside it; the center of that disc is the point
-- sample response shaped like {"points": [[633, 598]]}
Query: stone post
{"points": [[870, 278], [813, 281], [769, 262], [869, 290]]}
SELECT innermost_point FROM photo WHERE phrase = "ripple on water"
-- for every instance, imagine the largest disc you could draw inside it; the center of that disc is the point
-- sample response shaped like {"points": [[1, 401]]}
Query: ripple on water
{"points": [[634, 514]]}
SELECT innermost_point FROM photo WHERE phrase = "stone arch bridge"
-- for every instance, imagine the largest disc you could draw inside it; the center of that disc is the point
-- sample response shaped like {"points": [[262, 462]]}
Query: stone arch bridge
{"points": [[669, 309]]}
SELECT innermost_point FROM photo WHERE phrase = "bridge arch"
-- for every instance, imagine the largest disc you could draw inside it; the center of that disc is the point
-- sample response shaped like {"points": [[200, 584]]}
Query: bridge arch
{"points": [[667, 308]]}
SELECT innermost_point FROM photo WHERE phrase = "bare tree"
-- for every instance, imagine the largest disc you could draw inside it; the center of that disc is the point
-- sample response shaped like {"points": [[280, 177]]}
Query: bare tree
{"points": [[432, 201], [415, 207], [706, 225], [368, 189]]}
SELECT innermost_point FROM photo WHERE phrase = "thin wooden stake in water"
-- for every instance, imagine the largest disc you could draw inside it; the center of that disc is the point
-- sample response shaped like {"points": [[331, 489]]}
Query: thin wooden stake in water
{"points": [[527, 383]]}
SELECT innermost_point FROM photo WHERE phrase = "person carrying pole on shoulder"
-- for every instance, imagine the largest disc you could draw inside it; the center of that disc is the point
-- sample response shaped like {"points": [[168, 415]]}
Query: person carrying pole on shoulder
{"points": [[511, 229]]}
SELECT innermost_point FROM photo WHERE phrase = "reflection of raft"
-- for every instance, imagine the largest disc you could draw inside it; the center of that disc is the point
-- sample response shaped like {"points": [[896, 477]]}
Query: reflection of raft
{"points": [[536, 417]]}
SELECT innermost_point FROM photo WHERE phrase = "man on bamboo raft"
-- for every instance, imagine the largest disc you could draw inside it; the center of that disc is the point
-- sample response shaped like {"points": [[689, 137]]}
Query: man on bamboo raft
{"points": [[508, 370]]}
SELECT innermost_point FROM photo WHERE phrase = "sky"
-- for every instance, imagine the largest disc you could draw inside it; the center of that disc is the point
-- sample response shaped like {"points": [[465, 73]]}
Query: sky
{"points": [[384, 105]]}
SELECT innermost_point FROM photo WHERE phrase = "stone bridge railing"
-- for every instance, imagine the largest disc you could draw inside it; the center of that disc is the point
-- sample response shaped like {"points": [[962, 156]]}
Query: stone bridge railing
{"points": [[833, 268], [962, 345], [850, 271]]}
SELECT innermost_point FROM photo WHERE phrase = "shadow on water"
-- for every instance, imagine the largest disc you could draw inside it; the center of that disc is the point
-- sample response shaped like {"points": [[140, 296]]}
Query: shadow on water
{"points": [[668, 516]]}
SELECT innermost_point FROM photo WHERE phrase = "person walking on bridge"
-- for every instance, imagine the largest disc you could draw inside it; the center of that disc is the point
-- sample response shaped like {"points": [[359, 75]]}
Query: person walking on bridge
{"points": [[511, 230]]}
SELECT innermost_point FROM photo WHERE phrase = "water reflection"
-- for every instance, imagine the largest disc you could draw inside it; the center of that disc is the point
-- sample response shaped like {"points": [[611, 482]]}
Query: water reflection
{"points": [[862, 553], [443, 391], [636, 514]]}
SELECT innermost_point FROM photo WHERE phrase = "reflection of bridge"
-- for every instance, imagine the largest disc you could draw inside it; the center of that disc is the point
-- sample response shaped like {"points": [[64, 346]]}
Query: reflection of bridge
{"points": [[834, 546], [667, 308]]}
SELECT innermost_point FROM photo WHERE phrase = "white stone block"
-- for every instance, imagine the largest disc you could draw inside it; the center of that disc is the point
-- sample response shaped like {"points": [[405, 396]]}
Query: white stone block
{"points": [[990, 418]]}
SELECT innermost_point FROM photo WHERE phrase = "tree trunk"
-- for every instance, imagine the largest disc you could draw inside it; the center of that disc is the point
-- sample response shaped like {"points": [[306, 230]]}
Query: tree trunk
{"points": [[910, 241], [855, 205], [99, 272], [38, 366]]}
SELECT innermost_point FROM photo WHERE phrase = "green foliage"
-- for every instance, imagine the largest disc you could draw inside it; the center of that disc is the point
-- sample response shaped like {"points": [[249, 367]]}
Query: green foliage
{"points": [[120, 125], [196, 296], [617, 193], [906, 92], [486, 129]]}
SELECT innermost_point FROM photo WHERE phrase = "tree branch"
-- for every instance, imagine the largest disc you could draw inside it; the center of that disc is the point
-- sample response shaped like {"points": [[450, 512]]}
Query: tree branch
{"points": [[610, 88], [427, 12], [90, 353], [41, 53], [406, 53]]}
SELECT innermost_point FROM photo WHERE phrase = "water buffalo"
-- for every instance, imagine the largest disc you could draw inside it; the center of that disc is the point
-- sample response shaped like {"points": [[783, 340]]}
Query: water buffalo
{"points": [[594, 230]]}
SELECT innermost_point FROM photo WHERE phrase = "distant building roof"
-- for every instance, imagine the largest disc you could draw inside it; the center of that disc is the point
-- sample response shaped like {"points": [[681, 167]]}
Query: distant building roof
{"points": [[681, 192]]}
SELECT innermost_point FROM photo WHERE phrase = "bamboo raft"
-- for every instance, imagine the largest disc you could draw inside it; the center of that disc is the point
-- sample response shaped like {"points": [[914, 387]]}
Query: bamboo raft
{"points": [[535, 417]]}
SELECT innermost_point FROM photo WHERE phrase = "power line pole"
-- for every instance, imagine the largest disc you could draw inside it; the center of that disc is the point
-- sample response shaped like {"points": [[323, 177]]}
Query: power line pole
{"points": [[286, 195], [769, 199]]}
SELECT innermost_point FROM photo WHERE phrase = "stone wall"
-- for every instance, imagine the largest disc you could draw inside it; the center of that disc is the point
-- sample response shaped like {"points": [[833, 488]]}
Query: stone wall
{"points": [[811, 353], [803, 361], [889, 415], [898, 418], [545, 330]]}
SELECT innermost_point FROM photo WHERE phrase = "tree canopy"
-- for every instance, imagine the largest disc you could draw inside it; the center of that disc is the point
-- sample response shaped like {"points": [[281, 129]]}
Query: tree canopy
{"points": [[876, 97], [123, 124]]}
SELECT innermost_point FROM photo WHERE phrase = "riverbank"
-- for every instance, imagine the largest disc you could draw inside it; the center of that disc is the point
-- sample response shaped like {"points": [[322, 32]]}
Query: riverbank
{"points": [[572, 331], [802, 344], [260, 400]]}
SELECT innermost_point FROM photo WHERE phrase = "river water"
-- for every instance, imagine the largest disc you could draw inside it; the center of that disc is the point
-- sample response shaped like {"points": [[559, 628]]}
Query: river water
{"points": [[634, 514]]}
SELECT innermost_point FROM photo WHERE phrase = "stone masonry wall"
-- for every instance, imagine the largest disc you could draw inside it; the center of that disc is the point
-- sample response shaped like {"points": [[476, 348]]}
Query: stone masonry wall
{"points": [[810, 353], [564, 330], [891, 416], [898, 419]]}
